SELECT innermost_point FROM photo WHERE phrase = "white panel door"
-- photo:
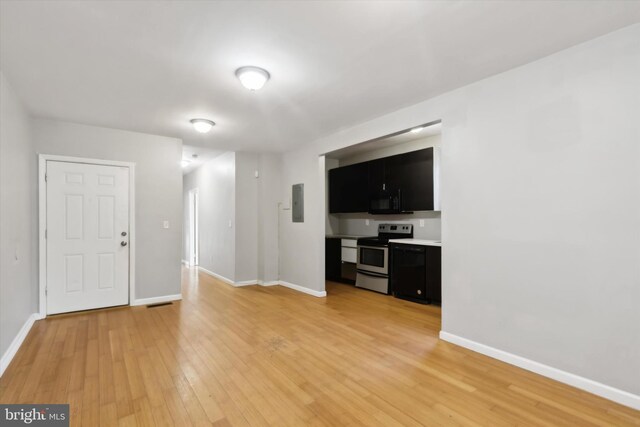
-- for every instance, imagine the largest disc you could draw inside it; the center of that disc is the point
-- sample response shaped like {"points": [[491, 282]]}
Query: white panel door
{"points": [[87, 236]]}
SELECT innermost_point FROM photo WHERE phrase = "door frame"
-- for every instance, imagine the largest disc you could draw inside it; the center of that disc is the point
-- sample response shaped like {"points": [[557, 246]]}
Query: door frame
{"points": [[194, 227], [42, 221]]}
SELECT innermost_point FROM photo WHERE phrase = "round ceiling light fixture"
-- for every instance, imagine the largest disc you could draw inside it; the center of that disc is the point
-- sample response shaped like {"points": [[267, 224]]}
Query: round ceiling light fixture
{"points": [[184, 163], [253, 78], [202, 125]]}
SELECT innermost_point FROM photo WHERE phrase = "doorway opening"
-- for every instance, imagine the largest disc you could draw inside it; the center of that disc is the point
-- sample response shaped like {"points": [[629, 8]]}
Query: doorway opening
{"points": [[194, 230], [383, 216]]}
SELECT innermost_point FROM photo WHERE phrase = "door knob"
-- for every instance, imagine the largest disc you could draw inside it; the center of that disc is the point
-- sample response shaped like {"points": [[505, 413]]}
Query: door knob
{"points": [[123, 243], [124, 233]]}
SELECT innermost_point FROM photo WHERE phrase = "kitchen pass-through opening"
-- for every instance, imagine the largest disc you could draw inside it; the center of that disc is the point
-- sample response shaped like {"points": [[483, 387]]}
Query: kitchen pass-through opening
{"points": [[383, 218]]}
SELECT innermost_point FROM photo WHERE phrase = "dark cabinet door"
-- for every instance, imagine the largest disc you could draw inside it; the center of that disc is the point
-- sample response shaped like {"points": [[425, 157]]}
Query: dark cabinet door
{"points": [[348, 188], [332, 259], [376, 177], [335, 190], [433, 260], [414, 177], [393, 167], [384, 174]]}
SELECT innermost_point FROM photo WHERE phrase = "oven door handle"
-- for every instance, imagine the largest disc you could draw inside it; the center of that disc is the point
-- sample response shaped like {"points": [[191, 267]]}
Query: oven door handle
{"points": [[369, 273]]}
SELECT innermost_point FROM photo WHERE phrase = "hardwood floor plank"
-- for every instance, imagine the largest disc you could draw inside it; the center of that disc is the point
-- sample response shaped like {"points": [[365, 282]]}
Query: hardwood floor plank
{"points": [[257, 356], [191, 404]]}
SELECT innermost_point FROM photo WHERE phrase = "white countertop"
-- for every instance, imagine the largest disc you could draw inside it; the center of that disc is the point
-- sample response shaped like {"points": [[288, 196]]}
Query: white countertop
{"points": [[420, 242]]}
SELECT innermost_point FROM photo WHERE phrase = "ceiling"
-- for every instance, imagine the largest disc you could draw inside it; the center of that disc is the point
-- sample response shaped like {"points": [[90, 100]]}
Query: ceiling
{"points": [[202, 155], [150, 66]]}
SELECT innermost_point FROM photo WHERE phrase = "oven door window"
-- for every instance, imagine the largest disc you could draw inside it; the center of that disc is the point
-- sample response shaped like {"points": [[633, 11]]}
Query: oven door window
{"points": [[372, 257]]}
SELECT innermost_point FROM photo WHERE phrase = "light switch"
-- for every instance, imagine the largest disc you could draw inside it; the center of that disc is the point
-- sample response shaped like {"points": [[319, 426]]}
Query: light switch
{"points": [[230, 225], [366, 222], [422, 223], [165, 224]]}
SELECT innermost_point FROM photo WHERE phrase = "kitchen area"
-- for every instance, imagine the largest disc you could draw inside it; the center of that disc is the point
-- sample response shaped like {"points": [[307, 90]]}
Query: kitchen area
{"points": [[383, 215]]}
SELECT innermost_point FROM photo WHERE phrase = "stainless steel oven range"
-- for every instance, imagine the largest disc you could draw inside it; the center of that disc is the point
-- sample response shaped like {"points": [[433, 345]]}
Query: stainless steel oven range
{"points": [[373, 256]]}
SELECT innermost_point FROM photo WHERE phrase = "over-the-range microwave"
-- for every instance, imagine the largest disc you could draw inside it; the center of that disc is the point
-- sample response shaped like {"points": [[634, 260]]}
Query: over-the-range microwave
{"points": [[386, 202]]}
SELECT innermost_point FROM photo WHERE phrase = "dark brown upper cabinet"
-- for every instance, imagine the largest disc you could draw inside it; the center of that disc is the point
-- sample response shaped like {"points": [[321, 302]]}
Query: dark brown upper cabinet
{"points": [[413, 174], [351, 187], [348, 189]]}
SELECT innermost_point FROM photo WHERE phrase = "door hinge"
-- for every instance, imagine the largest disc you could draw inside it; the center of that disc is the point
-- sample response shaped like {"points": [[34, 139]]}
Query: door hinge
{"points": [[45, 177], [46, 291], [45, 234]]}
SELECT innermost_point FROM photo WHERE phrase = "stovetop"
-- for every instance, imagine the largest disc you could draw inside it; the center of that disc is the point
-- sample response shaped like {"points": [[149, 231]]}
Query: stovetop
{"points": [[386, 232]]}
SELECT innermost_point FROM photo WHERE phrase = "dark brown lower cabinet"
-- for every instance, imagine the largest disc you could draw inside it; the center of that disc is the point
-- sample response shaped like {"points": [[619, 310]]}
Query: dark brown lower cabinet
{"points": [[332, 259], [334, 269]]}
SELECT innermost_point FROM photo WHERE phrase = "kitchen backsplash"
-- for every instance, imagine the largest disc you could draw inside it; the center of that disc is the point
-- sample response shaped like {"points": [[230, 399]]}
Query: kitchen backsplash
{"points": [[355, 224]]}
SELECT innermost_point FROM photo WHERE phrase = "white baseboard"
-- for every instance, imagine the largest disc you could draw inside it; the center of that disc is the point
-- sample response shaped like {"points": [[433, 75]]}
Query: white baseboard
{"points": [[216, 275], [226, 279], [319, 294], [8, 355], [620, 396], [298, 288], [246, 283], [157, 300], [268, 283]]}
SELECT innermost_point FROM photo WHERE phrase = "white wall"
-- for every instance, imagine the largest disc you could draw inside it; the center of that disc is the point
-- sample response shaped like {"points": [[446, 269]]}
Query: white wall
{"points": [[216, 184], [332, 221], [540, 208], [18, 243], [246, 217], [269, 196], [302, 243], [158, 192]]}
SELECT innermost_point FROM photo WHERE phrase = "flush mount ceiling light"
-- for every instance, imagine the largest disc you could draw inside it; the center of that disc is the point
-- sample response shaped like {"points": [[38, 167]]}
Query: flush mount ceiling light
{"points": [[202, 125], [184, 163], [253, 78], [418, 129]]}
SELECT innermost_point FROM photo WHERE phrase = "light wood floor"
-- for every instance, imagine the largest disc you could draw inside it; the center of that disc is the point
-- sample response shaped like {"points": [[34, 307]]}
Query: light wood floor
{"points": [[273, 356]]}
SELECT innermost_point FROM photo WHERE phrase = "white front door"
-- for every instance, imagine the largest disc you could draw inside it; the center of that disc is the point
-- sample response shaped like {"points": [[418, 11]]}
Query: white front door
{"points": [[87, 236]]}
